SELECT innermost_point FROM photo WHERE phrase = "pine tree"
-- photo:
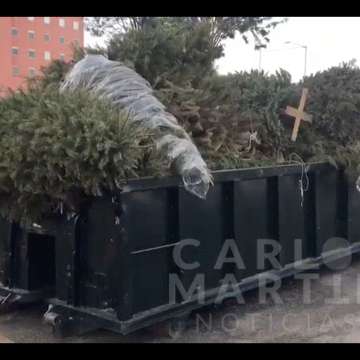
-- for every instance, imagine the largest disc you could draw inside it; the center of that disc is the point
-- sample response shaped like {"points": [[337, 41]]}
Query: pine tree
{"points": [[61, 147]]}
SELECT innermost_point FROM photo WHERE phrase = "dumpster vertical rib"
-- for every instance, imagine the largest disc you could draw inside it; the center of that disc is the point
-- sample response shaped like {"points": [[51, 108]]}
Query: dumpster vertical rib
{"points": [[342, 205], [6, 253], [11, 265], [228, 223], [125, 272], [326, 208], [310, 218], [353, 212], [70, 241], [272, 212], [173, 235], [22, 259]]}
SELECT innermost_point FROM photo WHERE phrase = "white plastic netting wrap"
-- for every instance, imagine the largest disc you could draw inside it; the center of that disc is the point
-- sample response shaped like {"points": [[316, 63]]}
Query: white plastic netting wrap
{"points": [[113, 81]]}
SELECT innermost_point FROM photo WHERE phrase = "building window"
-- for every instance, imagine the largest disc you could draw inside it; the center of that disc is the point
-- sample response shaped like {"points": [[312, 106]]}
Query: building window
{"points": [[47, 20], [76, 43], [31, 18], [32, 54], [62, 57], [62, 40], [47, 56], [47, 37], [31, 35], [76, 25], [14, 32], [32, 72], [15, 51], [16, 70], [62, 22]]}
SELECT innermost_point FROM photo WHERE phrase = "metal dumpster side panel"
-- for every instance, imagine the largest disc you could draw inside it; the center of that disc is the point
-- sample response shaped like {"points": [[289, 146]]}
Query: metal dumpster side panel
{"points": [[149, 232], [296, 198], [204, 224], [331, 207], [253, 223]]}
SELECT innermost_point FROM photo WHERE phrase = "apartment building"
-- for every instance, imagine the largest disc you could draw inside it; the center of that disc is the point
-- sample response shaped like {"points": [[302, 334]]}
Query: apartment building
{"points": [[28, 43]]}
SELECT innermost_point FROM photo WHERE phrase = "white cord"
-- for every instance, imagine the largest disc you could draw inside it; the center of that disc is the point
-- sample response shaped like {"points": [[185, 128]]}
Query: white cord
{"points": [[303, 172]]}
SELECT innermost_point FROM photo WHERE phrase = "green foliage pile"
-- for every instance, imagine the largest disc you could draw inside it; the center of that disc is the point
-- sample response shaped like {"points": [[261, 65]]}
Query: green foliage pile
{"points": [[235, 120], [222, 116], [334, 101], [171, 52], [61, 147], [58, 148], [256, 100]]}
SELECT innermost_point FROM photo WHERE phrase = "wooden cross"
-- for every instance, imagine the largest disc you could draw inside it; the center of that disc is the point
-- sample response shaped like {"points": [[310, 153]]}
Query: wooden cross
{"points": [[298, 114]]}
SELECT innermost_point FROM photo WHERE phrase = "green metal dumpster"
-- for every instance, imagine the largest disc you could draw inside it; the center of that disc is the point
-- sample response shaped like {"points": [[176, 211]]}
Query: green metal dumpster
{"points": [[151, 251]]}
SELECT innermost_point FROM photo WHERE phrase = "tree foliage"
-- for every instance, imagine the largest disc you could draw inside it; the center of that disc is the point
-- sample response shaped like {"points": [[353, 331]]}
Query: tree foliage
{"points": [[54, 73], [59, 147], [235, 120], [222, 28]]}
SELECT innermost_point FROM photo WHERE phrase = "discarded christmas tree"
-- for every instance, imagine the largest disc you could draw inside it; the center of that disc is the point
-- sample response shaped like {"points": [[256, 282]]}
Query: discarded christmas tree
{"points": [[61, 147]]}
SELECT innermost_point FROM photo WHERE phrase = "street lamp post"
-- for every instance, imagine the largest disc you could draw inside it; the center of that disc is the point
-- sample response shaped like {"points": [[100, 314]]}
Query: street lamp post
{"points": [[304, 47], [260, 59]]}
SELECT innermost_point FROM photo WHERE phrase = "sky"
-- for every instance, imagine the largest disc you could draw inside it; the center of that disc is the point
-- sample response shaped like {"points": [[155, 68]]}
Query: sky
{"points": [[329, 41]]}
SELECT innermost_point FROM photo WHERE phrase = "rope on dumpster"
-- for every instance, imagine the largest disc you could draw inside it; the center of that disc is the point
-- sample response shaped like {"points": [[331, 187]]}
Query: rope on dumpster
{"points": [[155, 248], [5, 299], [358, 184], [303, 173]]}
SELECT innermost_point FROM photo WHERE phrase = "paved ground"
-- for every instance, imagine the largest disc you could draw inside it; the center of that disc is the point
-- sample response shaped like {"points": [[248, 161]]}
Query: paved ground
{"points": [[331, 315]]}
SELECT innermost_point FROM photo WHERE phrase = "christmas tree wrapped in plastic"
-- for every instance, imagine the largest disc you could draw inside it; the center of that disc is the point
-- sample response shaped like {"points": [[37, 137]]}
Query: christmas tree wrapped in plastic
{"points": [[112, 81]]}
